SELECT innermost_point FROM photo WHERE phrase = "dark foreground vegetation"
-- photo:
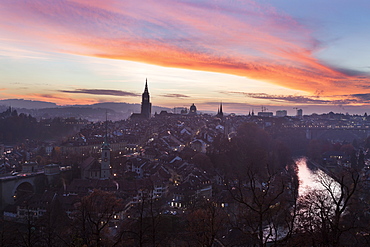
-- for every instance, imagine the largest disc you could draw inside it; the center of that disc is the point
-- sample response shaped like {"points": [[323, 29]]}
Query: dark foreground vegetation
{"points": [[15, 128]]}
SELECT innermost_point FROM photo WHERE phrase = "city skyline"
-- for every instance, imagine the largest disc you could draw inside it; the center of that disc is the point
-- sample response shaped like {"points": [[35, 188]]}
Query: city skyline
{"points": [[277, 54]]}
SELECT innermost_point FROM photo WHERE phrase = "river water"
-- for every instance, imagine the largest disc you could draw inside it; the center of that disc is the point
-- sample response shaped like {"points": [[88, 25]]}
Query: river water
{"points": [[309, 180]]}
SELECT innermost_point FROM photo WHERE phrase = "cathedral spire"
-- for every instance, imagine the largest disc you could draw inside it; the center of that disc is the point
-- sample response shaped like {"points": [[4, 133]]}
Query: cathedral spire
{"points": [[146, 86], [146, 106], [220, 114]]}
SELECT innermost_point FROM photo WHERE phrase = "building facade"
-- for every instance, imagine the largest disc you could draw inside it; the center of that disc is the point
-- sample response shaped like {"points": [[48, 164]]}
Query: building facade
{"points": [[281, 113]]}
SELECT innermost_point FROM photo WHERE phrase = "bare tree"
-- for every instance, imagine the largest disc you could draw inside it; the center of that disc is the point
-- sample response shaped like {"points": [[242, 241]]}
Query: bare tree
{"points": [[262, 180], [265, 206], [54, 225], [95, 212], [8, 233], [144, 227], [206, 223], [325, 215], [341, 191]]}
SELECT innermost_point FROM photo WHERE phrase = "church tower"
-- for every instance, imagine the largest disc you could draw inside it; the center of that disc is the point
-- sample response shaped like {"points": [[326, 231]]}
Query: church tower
{"points": [[146, 106], [105, 156], [220, 113]]}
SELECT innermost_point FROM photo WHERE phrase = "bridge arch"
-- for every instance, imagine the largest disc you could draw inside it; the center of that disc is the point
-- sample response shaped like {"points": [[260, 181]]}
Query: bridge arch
{"points": [[22, 188], [13, 187]]}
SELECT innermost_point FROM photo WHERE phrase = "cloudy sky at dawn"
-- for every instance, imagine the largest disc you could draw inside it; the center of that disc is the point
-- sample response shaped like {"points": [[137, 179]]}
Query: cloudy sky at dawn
{"points": [[279, 54]]}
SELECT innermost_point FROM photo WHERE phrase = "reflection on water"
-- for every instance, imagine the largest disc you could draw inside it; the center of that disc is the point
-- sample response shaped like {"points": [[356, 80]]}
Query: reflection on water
{"points": [[328, 192], [308, 178]]}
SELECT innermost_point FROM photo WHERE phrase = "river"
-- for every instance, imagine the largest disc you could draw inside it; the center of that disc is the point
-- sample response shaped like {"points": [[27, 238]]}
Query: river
{"points": [[308, 178]]}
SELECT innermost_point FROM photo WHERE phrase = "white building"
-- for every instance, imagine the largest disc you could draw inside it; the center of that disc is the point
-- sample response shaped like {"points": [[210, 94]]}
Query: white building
{"points": [[281, 113]]}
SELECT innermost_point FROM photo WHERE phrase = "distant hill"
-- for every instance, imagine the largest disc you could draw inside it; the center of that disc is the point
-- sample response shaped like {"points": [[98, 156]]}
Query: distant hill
{"points": [[127, 108], [26, 104], [94, 112]]}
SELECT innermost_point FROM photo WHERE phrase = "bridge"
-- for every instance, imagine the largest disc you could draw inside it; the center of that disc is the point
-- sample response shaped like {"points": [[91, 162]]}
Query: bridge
{"points": [[14, 187], [348, 134]]}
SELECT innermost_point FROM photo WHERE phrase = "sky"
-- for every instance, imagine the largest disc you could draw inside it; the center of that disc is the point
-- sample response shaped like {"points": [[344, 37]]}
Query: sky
{"points": [[276, 54]]}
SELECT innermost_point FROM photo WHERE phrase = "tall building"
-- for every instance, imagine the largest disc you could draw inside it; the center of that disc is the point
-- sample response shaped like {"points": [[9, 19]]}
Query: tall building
{"points": [[299, 112], [146, 106]]}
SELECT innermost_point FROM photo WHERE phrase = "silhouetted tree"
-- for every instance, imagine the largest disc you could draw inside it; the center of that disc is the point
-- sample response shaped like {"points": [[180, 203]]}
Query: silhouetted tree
{"points": [[8, 234], [264, 205], [323, 212], [145, 225], [263, 181], [54, 225], [206, 224], [95, 212]]}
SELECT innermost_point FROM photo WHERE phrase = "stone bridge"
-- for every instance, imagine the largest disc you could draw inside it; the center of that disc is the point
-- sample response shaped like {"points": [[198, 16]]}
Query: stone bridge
{"points": [[346, 134], [13, 187]]}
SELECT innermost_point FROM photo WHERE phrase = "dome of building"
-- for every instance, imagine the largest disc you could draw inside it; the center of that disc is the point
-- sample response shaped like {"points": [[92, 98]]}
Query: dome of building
{"points": [[193, 109]]}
